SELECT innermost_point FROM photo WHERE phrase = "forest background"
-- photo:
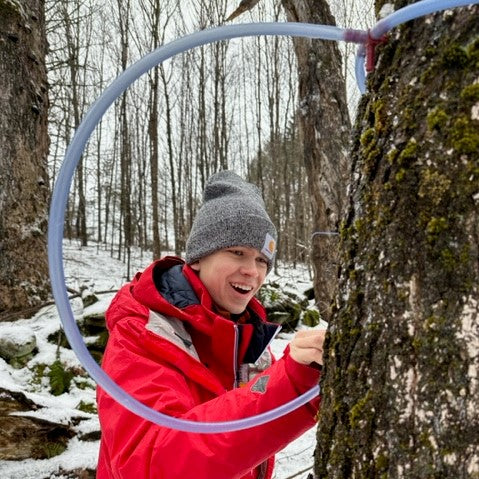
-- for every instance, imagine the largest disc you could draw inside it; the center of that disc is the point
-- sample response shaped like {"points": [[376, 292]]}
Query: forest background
{"points": [[230, 105], [400, 379]]}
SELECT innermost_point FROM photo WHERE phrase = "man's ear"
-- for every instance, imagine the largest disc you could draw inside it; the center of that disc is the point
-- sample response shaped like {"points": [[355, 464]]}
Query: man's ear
{"points": [[195, 265]]}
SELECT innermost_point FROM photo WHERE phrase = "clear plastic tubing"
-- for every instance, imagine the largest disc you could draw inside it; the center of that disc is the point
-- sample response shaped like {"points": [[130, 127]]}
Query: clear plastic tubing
{"points": [[62, 188], [403, 15]]}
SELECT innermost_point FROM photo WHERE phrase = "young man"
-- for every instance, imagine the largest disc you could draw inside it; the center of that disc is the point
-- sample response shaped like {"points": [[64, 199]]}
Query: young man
{"points": [[190, 339]]}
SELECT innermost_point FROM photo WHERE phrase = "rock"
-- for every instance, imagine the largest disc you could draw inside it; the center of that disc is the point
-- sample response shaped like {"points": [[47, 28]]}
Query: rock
{"points": [[90, 436], [12, 401], [23, 437], [94, 322], [279, 317], [309, 293], [88, 298], [16, 341], [78, 474]]}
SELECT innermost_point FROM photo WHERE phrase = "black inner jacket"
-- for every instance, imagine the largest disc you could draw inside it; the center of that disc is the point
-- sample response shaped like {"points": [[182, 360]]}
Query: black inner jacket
{"points": [[176, 289]]}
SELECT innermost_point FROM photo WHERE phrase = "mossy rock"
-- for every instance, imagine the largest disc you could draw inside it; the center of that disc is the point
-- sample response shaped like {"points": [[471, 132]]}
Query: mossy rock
{"points": [[96, 346], [93, 324], [311, 318], [283, 307], [279, 317], [16, 342]]}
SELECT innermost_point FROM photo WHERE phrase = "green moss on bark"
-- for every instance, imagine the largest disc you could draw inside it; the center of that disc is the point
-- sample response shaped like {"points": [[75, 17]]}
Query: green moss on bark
{"points": [[396, 358]]}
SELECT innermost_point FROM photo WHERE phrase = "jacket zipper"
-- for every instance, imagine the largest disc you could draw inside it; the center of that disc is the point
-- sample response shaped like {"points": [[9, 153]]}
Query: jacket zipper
{"points": [[263, 467]]}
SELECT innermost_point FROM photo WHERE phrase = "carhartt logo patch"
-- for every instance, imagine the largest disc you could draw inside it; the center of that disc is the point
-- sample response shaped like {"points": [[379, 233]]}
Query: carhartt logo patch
{"points": [[269, 246], [260, 385]]}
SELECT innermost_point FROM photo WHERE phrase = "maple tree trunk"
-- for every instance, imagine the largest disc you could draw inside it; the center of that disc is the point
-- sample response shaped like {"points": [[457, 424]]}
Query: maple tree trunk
{"points": [[24, 142], [400, 385]]}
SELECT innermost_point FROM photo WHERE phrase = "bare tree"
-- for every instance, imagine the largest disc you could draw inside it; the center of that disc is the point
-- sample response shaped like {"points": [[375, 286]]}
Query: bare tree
{"points": [[72, 37], [157, 16], [72, 67], [123, 23], [401, 371], [24, 145], [172, 128], [325, 126]]}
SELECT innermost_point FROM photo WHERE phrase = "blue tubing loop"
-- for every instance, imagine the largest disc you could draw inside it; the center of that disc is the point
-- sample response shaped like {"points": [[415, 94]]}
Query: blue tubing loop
{"points": [[93, 117], [60, 198], [403, 15]]}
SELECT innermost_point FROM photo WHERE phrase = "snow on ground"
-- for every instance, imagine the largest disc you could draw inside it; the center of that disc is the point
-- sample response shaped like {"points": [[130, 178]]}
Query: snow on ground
{"points": [[93, 269]]}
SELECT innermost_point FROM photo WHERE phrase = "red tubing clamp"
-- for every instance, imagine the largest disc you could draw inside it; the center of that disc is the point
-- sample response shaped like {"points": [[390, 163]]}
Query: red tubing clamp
{"points": [[371, 45]]}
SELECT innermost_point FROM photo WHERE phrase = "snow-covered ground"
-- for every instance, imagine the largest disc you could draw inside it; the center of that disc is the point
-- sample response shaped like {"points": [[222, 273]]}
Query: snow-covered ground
{"points": [[94, 269]]}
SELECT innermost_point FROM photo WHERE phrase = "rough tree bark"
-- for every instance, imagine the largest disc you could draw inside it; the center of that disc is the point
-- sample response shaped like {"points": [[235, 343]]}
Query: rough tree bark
{"points": [[400, 389], [23, 155], [325, 126]]}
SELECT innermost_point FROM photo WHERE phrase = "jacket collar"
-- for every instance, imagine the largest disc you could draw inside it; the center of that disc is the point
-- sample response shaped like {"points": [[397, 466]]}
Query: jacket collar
{"points": [[173, 288]]}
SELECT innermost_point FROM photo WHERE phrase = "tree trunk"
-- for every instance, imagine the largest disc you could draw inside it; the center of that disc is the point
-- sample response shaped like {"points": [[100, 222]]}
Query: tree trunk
{"points": [[171, 160], [71, 26], [24, 145], [325, 125], [154, 156], [153, 135], [400, 389], [124, 13]]}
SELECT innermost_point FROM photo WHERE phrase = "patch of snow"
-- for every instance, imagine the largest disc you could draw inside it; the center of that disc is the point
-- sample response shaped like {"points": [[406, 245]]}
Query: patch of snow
{"points": [[386, 10], [475, 112]]}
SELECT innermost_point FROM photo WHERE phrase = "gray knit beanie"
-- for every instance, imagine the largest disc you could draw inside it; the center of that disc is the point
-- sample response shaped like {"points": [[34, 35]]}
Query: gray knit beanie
{"points": [[233, 214]]}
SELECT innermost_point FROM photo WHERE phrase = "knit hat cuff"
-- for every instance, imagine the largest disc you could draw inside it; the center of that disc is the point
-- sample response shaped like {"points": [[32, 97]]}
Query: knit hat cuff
{"points": [[249, 230]]}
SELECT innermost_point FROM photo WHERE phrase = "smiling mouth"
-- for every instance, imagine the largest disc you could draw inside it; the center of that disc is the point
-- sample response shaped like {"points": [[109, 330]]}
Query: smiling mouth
{"points": [[241, 288]]}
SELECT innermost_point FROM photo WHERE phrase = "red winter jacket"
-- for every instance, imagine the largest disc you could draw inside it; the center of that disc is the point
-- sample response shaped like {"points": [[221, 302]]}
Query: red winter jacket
{"points": [[170, 351]]}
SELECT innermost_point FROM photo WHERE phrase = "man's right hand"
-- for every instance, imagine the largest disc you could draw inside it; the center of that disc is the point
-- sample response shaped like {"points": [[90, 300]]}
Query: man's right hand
{"points": [[307, 346]]}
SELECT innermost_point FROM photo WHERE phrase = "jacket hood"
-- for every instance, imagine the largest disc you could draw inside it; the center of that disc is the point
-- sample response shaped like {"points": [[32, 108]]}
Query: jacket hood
{"points": [[138, 297]]}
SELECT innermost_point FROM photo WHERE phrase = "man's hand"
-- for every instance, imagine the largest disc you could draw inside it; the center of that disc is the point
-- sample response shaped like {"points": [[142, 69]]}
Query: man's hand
{"points": [[307, 346]]}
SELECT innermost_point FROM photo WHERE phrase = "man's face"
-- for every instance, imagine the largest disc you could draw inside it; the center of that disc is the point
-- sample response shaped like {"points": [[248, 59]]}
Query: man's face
{"points": [[232, 276]]}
